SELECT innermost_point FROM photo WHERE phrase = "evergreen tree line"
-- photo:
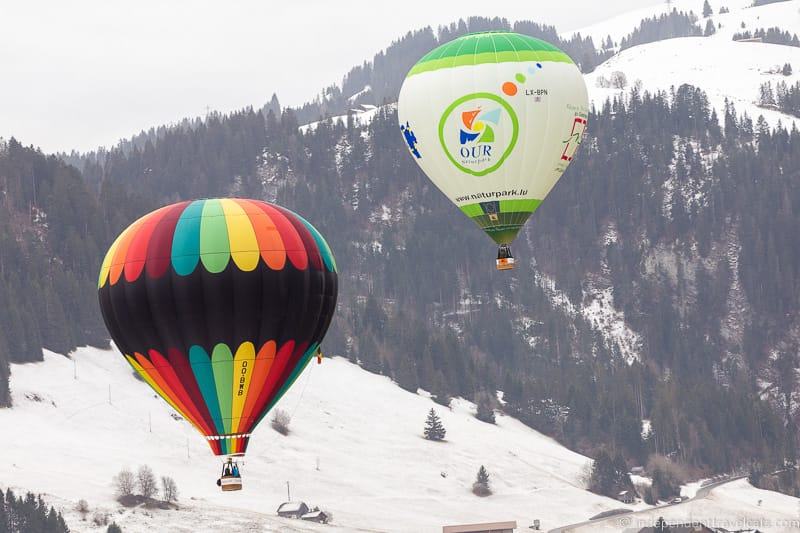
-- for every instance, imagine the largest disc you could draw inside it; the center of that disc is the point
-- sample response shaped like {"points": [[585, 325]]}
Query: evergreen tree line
{"points": [[680, 312], [771, 35], [28, 514], [784, 98], [51, 234], [665, 26], [378, 81]]}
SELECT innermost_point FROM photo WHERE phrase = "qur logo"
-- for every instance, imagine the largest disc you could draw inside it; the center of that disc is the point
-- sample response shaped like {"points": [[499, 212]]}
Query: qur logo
{"points": [[478, 132]]}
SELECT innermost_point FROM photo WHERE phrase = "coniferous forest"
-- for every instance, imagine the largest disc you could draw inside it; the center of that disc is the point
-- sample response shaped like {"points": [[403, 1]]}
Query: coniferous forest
{"points": [[688, 226], [28, 514]]}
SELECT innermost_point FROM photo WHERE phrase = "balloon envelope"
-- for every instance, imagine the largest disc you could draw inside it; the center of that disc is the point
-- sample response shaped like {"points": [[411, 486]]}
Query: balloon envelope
{"points": [[494, 119], [219, 304]]}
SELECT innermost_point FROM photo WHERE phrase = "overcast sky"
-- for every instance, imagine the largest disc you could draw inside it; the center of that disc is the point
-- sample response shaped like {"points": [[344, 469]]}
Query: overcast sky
{"points": [[83, 74]]}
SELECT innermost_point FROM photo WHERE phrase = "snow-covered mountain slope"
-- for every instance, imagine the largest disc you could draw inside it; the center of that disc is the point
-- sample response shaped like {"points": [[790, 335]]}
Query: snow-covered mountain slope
{"points": [[720, 66], [362, 116], [621, 25], [355, 449]]}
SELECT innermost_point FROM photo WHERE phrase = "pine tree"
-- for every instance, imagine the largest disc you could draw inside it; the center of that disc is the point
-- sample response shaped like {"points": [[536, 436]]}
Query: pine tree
{"points": [[434, 429], [710, 28], [602, 477], [767, 96], [707, 11], [3, 515], [113, 528], [485, 412], [481, 486], [787, 69]]}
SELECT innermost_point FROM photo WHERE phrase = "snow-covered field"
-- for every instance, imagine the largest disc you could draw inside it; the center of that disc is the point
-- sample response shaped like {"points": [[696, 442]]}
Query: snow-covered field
{"points": [[720, 66], [355, 449]]}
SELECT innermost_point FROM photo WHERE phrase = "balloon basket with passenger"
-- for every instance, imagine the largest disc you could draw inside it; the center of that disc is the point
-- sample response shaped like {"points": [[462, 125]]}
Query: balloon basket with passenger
{"points": [[231, 477], [505, 261]]}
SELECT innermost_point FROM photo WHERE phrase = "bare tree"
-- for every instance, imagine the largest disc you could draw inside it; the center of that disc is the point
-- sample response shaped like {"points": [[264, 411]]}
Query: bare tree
{"points": [[100, 518], [83, 508], [280, 422], [125, 483], [146, 481], [169, 489], [619, 80]]}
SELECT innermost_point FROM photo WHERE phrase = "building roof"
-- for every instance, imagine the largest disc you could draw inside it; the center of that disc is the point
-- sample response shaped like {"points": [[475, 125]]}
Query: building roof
{"points": [[291, 507], [480, 528]]}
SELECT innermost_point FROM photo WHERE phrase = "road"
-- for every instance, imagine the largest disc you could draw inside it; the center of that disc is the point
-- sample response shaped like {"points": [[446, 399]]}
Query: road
{"points": [[701, 493]]}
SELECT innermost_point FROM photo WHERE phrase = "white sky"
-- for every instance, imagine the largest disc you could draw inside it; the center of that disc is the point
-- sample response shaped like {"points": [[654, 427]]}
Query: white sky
{"points": [[83, 74]]}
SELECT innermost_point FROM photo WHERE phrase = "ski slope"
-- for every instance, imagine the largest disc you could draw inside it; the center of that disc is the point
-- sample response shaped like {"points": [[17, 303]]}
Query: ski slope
{"points": [[375, 471], [720, 66]]}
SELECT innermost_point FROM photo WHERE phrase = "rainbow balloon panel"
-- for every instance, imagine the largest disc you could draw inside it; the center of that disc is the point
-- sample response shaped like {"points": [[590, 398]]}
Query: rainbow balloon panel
{"points": [[219, 305], [211, 233]]}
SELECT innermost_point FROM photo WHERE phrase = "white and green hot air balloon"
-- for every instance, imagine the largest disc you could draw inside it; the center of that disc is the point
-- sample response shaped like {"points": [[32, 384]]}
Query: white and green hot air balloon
{"points": [[494, 119]]}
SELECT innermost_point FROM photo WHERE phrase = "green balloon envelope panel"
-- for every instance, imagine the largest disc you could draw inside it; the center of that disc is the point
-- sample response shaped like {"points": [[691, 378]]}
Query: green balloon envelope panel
{"points": [[219, 305], [494, 119]]}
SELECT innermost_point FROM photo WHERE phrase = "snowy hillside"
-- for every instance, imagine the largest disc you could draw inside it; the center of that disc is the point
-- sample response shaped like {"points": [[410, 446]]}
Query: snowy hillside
{"points": [[355, 449], [621, 25], [362, 116], [720, 66], [376, 472]]}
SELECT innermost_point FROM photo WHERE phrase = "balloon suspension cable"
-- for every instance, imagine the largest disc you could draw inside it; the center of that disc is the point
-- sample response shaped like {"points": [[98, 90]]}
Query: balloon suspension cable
{"points": [[302, 392]]}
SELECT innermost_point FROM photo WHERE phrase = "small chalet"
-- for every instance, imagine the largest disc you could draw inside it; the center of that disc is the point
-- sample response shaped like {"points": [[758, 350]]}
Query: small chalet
{"points": [[489, 527], [317, 515], [627, 496], [293, 509]]}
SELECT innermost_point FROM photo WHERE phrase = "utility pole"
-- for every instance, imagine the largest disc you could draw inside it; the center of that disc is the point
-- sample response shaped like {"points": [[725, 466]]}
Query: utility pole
{"points": [[109, 394], [75, 368], [288, 494], [150, 421]]}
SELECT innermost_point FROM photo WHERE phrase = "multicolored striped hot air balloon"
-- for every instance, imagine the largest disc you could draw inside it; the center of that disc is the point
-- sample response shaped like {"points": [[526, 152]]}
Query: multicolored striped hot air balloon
{"points": [[219, 305]]}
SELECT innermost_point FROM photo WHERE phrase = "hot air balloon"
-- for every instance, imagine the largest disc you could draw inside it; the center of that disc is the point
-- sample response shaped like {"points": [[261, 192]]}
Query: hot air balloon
{"points": [[219, 305], [494, 119]]}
